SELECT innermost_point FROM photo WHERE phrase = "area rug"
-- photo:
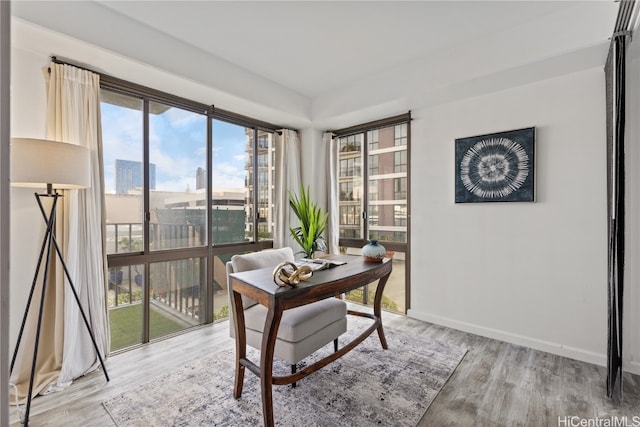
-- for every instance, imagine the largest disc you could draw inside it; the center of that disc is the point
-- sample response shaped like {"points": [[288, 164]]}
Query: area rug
{"points": [[368, 386]]}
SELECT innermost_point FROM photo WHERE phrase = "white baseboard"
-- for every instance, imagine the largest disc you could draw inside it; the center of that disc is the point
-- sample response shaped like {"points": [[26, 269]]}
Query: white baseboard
{"points": [[537, 344], [632, 367]]}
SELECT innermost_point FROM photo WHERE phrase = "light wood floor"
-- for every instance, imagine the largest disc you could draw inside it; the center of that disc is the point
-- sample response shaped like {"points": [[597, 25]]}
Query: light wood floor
{"points": [[496, 384]]}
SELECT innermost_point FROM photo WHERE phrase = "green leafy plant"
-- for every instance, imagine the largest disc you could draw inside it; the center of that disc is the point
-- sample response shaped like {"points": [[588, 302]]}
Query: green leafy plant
{"points": [[313, 222], [222, 314]]}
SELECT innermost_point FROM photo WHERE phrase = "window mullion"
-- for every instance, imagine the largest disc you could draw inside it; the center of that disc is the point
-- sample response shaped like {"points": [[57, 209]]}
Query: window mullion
{"points": [[146, 220], [208, 302], [365, 184], [254, 183]]}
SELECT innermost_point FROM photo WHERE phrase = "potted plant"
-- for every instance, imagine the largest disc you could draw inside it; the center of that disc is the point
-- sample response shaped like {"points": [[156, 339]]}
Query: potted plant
{"points": [[313, 222], [132, 245]]}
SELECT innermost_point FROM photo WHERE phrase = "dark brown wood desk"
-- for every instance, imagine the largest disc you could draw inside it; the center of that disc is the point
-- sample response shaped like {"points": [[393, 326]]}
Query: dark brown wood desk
{"points": [[258, 285]]}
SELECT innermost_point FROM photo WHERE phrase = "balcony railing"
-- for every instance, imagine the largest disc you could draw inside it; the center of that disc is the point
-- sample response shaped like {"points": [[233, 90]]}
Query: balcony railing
{"points": [[174, 284], [126, 286]]}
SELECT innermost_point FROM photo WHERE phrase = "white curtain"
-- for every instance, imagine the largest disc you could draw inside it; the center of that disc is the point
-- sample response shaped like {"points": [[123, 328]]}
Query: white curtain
{"points": [[73, 116], [288, 178], [333, 226]]}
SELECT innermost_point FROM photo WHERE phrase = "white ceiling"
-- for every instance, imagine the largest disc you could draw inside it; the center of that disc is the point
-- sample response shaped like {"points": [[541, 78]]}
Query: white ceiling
{"points": [[333, 63], [315, 47]]}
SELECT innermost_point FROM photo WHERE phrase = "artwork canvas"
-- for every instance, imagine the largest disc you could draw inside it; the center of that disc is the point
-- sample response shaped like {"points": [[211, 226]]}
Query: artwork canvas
{"points": [[497, 167]]}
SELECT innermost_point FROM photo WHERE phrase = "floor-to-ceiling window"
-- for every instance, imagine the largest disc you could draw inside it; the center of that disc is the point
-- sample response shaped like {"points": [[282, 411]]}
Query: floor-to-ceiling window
{"points": [[186, 188], [373, 191]]}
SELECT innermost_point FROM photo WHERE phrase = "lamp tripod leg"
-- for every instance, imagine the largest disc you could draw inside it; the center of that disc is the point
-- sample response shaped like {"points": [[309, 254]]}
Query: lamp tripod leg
{"points": [[48, 241]]}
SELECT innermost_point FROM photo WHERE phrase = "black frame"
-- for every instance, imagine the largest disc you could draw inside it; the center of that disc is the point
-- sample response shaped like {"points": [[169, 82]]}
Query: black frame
{"points": [[496, 167], [363, 129]]}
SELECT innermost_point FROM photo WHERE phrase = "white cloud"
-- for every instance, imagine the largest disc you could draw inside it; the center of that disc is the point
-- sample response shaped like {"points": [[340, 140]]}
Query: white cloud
{"points": [[228, 176], [181, 118], [171, 138]]}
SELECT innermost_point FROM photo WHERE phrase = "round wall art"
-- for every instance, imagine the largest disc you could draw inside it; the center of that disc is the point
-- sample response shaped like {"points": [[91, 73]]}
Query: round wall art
{"points": [[497, 167]]}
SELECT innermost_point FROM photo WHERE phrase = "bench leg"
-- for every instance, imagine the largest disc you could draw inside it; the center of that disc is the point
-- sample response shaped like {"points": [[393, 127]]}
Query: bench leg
{"points": [[294, 367], [293, 371]]}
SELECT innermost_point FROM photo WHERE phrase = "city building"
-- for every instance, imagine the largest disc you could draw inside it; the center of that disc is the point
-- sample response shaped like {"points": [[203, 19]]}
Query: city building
{"points": [[129, 176], [265, 183]]}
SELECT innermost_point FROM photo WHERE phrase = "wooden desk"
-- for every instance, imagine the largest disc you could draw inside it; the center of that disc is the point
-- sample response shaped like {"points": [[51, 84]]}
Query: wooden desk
{"points": [[258, 285]]}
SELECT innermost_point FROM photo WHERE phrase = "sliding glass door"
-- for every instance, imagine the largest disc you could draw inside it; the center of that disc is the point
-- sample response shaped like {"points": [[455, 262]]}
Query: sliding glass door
{"points": [[373, 180], [184, 191]]}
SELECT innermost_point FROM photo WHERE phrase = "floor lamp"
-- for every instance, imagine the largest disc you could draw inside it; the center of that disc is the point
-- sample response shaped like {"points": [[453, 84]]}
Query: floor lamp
{"points": [[55, 165]]}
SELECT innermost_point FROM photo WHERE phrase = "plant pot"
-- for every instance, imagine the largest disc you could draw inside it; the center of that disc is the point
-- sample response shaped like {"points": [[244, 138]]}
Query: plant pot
{"points": [[115, 277]]}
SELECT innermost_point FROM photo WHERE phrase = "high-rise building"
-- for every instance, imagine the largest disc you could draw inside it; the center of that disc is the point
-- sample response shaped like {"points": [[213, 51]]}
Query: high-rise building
{"points": [[129, 176], [201, 178], [266, 181]]}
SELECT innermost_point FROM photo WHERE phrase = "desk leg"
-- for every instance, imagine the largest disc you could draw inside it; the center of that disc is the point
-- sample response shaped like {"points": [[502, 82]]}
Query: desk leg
{"points": [[269, 335], [377, 310], [241, 342]]}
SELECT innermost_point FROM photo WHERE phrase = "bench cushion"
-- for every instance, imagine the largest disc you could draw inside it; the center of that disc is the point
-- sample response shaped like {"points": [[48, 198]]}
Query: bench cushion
{"points": [[300, 322]]}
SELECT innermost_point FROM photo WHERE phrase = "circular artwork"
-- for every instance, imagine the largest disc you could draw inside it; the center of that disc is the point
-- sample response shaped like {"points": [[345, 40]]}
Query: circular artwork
{"points": [[494, 168], [497, 167]]}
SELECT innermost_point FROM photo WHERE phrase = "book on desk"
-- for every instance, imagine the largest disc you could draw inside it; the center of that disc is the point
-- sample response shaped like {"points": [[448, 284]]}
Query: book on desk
{"points": [[318, 264]]}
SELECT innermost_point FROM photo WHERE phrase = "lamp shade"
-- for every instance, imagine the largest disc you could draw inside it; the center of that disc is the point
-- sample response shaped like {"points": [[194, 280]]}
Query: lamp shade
{"points": [[38, 162]]}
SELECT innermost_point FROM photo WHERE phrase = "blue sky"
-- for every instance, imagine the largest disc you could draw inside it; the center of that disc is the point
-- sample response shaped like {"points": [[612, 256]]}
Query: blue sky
{"points": [[177, 147]]}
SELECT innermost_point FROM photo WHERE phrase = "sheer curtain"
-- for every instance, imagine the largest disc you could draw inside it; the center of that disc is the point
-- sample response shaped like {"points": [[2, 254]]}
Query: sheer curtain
{"points": [[73, 116], [49, 361], [288, 178], [333, 226]]}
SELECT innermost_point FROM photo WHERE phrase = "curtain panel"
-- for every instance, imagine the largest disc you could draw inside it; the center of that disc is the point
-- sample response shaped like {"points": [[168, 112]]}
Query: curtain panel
{"points": [[288, 178], [73, 116], [333, 224], [65, 350]]}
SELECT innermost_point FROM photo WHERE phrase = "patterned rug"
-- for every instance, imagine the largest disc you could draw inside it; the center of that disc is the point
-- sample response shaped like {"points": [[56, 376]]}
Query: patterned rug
{"points": [[368, 386]]}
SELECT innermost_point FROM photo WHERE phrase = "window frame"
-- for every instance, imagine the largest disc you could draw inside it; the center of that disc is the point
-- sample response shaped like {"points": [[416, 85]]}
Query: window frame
{"points": [[364, 153], [208, 251], [402, 142]]}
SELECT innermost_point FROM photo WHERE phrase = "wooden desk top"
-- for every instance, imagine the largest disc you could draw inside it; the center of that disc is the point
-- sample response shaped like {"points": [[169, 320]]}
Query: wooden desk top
{"points": [[259, 285]]}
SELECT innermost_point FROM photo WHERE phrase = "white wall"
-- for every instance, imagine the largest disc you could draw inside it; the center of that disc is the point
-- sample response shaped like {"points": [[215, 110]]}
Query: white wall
{"points": [[529, 273], [533, 274], [28, 112]]}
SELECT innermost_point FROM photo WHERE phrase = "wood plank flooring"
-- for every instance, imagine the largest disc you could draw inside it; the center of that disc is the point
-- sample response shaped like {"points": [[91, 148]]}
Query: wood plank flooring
{"points": [[496, 384]]}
